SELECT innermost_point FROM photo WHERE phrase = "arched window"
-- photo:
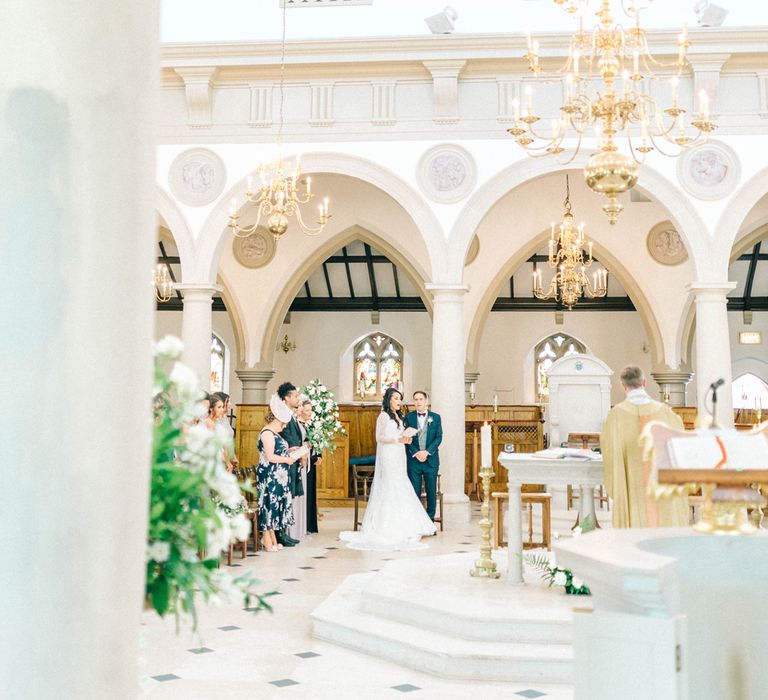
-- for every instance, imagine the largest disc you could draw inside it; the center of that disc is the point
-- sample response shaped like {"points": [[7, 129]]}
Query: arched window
{"points": [[218, 364], [749, 391], [546, 352], [378, 366]]}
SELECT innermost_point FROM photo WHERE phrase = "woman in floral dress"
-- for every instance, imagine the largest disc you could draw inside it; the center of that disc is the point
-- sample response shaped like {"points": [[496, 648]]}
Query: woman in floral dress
{"points": [[275, 510]]}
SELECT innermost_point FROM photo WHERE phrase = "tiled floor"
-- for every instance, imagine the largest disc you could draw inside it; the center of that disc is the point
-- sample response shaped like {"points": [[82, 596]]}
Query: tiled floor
{"points": [[236, 654]]}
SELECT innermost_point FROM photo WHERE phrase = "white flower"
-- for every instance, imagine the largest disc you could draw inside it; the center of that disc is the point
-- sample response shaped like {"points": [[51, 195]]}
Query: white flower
{"points": [[169, 346], [159, 551], [429, 420], [577, 531], [560, 579], [185, 379], [322, 387], [240, 527], [577, 582], [218, 539]]}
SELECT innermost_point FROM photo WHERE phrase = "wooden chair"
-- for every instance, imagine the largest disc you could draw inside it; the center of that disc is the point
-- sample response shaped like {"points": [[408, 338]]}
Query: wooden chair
{"points": [[241, 474], [362, 478], [499, 498], [439, 509]]}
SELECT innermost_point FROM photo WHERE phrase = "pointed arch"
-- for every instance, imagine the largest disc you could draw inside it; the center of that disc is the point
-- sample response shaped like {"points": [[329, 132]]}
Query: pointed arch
{"points": [[179, 227], [631, 286], [735, 214], [215, 233], [676, 203], [301, 273]]}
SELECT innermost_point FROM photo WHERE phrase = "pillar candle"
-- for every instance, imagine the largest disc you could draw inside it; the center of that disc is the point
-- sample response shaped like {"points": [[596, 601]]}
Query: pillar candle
{"points": [[485, 446], [495, 403]]}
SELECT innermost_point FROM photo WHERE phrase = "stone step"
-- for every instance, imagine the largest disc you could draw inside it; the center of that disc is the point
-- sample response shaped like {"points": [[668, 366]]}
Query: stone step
{"points": [[341, 619], [536, 615]]}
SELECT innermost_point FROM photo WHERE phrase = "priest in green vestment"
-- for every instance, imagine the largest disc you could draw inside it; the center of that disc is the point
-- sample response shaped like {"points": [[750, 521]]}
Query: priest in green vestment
{"points": [[626, 472]]}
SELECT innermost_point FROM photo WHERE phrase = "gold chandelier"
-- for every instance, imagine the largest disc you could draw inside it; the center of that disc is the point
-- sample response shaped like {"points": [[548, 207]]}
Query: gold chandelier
{"points": [[566, 253], [279, 197], [162, 282], [594, 99]]}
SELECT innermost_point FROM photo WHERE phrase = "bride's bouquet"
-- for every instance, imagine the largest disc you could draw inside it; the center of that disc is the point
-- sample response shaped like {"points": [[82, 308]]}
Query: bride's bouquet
{"points": [[325, 424]]}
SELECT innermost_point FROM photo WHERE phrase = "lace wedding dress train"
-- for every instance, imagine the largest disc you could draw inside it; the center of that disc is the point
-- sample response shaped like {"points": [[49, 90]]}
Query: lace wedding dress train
{"points": [[394, 516]]}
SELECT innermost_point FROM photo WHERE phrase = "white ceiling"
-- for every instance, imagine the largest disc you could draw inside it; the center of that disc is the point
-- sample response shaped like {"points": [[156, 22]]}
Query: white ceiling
{"points": [[253, 20]]}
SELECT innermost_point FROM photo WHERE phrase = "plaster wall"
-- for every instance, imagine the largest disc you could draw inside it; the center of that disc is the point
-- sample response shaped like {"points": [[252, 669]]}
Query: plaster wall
{"points": [[506, 363]]}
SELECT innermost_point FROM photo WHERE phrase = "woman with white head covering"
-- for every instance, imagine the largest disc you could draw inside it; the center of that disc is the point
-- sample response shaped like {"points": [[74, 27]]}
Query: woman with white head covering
{"points": [[274, 504]]}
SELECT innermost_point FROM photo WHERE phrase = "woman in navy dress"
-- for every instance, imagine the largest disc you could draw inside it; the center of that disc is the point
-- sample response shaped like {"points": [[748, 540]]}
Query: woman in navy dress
{"points": [[274, 511]]}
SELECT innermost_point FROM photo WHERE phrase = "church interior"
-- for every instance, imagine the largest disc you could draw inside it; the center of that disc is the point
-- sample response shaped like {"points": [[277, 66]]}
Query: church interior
{"points": [[458, 214]]}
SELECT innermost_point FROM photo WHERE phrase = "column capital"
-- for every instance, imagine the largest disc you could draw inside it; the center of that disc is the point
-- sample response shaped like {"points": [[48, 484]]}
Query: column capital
{"points": [[446, 292], [251, 374], [710, 289], [194, 290], [672, 377]]}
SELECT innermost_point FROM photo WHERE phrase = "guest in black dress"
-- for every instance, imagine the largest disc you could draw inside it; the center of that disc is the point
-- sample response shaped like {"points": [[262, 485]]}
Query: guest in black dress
{"points": [[274, 505], [305, 416]]}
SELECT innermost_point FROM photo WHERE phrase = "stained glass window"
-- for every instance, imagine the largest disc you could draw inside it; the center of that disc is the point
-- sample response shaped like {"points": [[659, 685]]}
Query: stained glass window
{"points": [[378, 366], [218, 364], [749, 391], [546, 352]]}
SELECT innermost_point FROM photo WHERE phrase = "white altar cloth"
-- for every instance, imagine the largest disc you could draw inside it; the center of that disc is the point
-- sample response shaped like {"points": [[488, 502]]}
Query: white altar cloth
{"points": [[526, 469]]}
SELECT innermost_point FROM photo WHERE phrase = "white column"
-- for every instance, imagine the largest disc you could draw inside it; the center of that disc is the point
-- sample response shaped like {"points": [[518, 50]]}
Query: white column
{"points": [[713, 347], [447, 393], [196, 328], [78, 227], [255, 383]]}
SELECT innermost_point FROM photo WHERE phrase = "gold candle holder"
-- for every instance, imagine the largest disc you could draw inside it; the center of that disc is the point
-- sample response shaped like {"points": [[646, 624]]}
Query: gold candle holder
{"points": [[485, 566]]}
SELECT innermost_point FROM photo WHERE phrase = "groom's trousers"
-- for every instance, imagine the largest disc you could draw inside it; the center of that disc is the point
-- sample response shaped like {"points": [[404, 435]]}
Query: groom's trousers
{"points": [[422, 470]]}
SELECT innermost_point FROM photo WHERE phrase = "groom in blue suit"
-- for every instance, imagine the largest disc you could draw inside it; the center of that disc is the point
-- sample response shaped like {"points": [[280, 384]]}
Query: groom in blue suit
{"points": [[423, 457]]}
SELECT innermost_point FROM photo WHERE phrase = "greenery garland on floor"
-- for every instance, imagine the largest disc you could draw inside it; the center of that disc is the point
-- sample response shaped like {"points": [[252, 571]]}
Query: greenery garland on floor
{"points": [[557, 575], [196, 507]]}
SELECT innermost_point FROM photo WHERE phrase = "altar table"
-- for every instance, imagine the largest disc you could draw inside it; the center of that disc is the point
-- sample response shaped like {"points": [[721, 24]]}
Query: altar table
{"points": [[526, 469]]}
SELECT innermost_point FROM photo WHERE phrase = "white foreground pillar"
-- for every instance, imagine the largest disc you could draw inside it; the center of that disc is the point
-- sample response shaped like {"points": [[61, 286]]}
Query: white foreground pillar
{"points": [[77, 232], [447, 393], [713, 348], [196, 328]]}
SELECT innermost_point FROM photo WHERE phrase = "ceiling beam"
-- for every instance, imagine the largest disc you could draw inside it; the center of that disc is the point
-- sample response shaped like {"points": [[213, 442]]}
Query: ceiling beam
{"points": [[327, 281], [358, 304], [751, 276], [356, 258], [372, 277], [531, 304], [177, 304], [307, 290], [345, 258], [397, 281], [748, 256], [755, 304]]}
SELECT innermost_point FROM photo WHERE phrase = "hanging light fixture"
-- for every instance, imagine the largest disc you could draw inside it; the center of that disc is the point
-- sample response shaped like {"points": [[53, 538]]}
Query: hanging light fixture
{"points": [[566, 253], [594, 100], [278, 196], [162, 282]]}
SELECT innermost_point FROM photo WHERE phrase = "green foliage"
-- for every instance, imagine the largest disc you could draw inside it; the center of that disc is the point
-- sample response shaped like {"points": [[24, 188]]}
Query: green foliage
{"points": [[556, 575], [196, 507]]}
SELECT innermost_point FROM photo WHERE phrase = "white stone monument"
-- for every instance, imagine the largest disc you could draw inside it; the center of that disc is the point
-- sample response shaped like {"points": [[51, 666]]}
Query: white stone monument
{"points": [[579, 396]]}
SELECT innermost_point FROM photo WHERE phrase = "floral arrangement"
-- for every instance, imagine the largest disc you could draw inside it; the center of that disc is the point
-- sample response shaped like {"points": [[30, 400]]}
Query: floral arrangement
{"points": [[325, 424], [557, 575], [196, 507]]}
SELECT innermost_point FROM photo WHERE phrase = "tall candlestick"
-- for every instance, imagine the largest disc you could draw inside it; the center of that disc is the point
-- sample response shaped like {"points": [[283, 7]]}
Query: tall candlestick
{"points": [[485, 446], [495, 403]]}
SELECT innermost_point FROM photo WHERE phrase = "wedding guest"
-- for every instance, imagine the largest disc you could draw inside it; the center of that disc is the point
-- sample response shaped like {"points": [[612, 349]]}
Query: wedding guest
{"points": [[227, 426], [289, 395], [298, 530], [275, 512], [304, 415], [215, 414]]}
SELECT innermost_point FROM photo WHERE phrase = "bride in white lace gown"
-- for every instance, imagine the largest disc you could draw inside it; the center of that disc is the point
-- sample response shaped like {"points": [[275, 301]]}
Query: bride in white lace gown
{"points": [[394, 516]]}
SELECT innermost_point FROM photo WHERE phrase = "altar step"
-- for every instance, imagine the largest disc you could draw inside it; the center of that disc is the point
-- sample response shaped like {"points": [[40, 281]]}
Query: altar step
{"points": [[428, 614]]}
